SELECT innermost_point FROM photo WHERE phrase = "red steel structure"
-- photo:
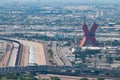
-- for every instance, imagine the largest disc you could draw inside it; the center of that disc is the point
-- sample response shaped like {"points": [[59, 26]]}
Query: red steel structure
{"points": [[89, 35]]}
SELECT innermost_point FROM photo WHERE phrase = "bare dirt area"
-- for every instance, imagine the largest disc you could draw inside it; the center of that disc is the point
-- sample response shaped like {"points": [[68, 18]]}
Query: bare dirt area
{"points": [[63, 77], [24, 57], [4, 60], [50, 60], [39, 51]]}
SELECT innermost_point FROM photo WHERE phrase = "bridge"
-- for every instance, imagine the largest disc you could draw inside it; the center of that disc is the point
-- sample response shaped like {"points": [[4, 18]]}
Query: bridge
{"points": [[47, 68], [59, 70]]}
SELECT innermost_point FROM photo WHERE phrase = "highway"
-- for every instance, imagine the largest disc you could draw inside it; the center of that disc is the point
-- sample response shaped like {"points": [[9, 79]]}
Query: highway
{"points": [[56, 54], [13, 55], [60, 70], [16, 52], [62, 54]]}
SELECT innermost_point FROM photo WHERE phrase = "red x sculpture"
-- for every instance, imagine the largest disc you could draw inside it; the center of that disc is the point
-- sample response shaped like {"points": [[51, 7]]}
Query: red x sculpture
{"points": [[89, 35]]}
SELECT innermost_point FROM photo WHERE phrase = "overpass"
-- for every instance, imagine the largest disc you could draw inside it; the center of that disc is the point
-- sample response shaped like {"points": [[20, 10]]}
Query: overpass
{"points": [[47, 68], [60, 70]]}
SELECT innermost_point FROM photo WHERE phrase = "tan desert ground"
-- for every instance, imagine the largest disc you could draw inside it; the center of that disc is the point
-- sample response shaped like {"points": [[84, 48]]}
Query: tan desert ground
{"points": [[39, 52]]}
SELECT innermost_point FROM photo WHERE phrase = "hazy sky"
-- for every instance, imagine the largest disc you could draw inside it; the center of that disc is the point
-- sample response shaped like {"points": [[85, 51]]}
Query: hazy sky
{"points": [[83, 0], [64, 0], [117, 1]]}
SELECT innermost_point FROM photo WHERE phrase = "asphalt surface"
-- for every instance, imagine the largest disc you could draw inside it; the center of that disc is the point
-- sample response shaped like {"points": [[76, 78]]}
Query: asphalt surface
{"points": [[32, 55], [46, 69], [64, 57], [56, 54], [13, 55], [60, 55]]}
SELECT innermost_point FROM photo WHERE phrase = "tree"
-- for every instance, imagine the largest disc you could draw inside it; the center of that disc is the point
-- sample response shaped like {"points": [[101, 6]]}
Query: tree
{"points": [[117, 58], [118, 51], [50, 52], [83, 79], [54, 78], [45, 79], [18, 77], [109, 59], [100, 79]]}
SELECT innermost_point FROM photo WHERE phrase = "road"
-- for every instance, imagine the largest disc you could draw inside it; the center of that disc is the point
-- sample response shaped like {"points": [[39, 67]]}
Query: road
{"points": [[56, 54], [60, 54], [46, 69], [46, 53], [13, 55], [64, 57]]}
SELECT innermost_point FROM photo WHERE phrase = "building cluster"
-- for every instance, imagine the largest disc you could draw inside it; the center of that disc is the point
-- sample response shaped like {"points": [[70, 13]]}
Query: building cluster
{"points": [[97, 57], [3, 47], [59, 14], [63, 22]]}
